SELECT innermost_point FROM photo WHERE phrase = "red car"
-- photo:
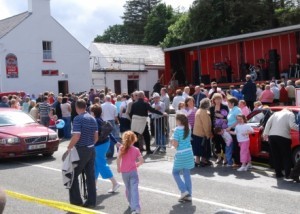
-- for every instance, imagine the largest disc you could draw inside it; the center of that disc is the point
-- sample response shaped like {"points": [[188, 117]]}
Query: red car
{"points": [[21, 135], [261, 148]]}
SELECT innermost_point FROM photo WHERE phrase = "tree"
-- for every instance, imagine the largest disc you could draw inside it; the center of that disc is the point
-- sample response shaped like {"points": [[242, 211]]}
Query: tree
{"points": [[114, 34], [156, 29], [211, 19], [177, 32], [135, 18]]}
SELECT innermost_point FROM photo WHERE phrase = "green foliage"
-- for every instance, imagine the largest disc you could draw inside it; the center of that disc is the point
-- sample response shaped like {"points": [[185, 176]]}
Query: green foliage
{"points": [[153, 23], [289, 16], [176, 32], [114, 34], [156, 29], [135, 18], [212, 19]]}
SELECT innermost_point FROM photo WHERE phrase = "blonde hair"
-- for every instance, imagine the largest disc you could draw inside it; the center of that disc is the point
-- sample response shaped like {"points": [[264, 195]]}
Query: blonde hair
{"points": [[128, 138], [216, 96]]}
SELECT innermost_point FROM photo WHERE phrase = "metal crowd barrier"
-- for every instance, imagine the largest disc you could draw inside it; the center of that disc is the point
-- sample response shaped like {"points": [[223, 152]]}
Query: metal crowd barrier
{"points": [[163, 130]]}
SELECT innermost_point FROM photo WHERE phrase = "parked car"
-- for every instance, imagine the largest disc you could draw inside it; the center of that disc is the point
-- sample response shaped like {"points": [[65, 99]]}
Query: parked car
{"points": [[21, 93], [258, 119], [21, 135]]}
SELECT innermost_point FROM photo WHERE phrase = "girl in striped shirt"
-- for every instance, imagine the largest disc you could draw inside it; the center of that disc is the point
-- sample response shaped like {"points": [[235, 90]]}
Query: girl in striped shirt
{"points": [[184, 160]]}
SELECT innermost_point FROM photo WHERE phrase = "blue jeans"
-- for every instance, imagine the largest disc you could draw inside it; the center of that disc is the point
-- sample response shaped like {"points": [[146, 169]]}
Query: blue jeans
{"points": [[116, 134], [67, 127], [185, 184], [228, 154], [101, 166], [160, 138], [131, 181]]}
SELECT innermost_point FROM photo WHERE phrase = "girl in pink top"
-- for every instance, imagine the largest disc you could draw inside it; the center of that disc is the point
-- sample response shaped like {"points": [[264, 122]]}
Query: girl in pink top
{"points": [[127, 165], [267, 96], [244, 108]]}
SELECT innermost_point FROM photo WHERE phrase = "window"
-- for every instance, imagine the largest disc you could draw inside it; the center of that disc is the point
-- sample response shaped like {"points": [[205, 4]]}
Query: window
{"points": [[47, 50]]}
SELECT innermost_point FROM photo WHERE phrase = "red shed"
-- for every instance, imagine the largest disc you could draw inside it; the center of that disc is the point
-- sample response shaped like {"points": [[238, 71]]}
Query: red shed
{"points": [[263, 54]]}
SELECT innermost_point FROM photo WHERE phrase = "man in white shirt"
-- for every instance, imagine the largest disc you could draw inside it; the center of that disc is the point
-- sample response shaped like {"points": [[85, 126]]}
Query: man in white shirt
{"points": [[110, 114], [214, 89], [278, 132], [177, 99], [159, 124], [186, 92], [165, 99], [275, 91]]}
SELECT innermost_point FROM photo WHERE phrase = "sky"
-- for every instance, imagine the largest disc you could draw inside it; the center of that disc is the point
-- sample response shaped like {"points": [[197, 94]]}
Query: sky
{"points": [[84, 19]]}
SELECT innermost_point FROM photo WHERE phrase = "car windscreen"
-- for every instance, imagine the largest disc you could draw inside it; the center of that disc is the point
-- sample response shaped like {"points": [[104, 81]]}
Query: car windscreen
{"points": [[10, 118]]}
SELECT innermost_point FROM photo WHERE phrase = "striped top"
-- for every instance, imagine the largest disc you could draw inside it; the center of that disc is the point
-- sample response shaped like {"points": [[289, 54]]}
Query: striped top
{"points": [[184, 158], [86, 125], [190, 113], [44, 109]]}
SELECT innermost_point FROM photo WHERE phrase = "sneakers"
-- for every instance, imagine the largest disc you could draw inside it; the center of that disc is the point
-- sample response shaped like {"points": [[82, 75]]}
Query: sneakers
{"points": [[188, 198], [183, 195], [242, 169], [114, 189], [249, 166], [136, 212]]}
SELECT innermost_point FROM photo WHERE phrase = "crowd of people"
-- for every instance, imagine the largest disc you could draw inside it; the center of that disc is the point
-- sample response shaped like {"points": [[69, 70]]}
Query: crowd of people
{"points": [[207, 115]]}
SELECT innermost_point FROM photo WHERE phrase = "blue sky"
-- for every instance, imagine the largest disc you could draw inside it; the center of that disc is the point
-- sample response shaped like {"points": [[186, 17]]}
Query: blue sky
{"points": [[82, 18]]}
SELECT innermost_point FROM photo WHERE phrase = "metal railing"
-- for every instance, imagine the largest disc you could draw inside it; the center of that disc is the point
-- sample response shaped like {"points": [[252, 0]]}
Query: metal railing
{"points": [[116, 63]]}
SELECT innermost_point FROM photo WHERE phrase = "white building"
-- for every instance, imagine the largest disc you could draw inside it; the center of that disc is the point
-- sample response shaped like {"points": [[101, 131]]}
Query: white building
{"points": [[125, 68], [38, 54]]}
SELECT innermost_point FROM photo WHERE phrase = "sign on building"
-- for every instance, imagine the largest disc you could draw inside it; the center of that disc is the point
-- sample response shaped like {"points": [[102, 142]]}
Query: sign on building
{"points": [[11, 66]]}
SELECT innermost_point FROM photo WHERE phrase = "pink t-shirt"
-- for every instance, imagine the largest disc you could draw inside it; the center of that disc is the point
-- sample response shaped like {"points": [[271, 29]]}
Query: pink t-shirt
{"points": [[128, 161], [267, 96], [245, 111]]}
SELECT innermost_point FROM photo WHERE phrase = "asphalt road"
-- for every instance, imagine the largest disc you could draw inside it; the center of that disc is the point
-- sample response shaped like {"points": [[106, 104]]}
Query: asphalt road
{"points": [[216, 189]]}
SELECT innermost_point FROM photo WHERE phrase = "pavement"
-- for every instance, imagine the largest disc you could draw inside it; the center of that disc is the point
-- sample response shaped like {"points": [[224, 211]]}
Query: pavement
{"points": [[216, 189]]}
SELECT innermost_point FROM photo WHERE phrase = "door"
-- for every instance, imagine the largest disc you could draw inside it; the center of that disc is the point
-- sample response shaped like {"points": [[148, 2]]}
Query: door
{"points": [[63, 87], [133, 85], [117, 84]]}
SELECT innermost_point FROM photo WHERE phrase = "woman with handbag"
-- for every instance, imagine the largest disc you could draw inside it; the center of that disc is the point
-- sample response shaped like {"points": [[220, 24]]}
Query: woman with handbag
{"points": [[102, 147]]}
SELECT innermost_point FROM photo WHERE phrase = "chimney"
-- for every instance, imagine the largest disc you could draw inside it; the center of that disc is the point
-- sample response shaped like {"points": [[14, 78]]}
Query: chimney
{"points": [[41, 7]]}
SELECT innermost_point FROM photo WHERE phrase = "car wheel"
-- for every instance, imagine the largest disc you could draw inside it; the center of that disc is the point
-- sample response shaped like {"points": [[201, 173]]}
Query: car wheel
{"points": [[48, 154], [296, 155]]}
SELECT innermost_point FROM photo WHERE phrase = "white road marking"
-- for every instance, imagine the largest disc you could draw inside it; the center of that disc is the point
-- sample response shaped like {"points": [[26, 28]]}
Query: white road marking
{"points": [[161, 192]]}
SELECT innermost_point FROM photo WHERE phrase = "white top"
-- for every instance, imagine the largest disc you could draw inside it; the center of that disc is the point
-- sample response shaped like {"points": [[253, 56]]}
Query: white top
{"points": [[160, 106], [166, 100], [65, 109], [176, 101], [281, 123], [123, 105], [219, 90], [276, 93], [241, 131], [258, 92], [109, 111], [185, 95], [227, 137]]}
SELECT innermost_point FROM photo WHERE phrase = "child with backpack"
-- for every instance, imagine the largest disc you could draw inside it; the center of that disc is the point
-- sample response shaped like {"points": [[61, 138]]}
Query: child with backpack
{"points": [[184, 158], [127, 165]]}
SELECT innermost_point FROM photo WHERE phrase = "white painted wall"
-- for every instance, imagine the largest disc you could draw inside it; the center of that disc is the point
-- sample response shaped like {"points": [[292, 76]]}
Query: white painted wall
{"points": [[25, 41], [146, 80]]}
